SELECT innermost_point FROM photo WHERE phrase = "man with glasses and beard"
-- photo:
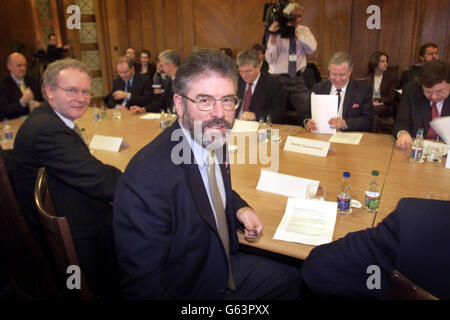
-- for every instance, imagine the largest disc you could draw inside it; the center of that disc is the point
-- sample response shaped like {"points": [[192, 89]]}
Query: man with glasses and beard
{"points": [[175, 212]]}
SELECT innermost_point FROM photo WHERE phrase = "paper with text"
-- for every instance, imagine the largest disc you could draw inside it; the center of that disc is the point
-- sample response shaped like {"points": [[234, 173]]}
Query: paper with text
{"points": [[307, 146], [283, 184], [106, 143], [346, 138], [323, 108], [151, 116], [241, 126], [307, 221], [442, 127]]}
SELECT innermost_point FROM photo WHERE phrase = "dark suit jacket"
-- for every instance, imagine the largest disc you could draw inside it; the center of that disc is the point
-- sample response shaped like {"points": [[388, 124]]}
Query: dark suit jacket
{"points": [[162, 209], [151, 69], [54, 53], [10, 95], [163, 100], [411, 74], [414, 111], [268, 98], [82, 189], [413, 239], [387, 88], [141, 91], [357, 107]]}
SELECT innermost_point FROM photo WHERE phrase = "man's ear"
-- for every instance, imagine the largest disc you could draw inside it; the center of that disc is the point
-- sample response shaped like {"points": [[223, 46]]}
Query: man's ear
{"points": [[48, 92], [179, 106]]}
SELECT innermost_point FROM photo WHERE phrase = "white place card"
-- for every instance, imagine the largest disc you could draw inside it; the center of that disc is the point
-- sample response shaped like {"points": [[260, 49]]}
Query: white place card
{"points": [[307, 146], [284, 184], [346, 138], [151, 116], [241, 126], [447, 164], [309, 222], [106, 143]]}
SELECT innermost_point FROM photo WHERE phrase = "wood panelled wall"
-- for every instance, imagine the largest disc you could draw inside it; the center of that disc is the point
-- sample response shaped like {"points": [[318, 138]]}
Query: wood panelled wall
{"points": [[338, 25]]}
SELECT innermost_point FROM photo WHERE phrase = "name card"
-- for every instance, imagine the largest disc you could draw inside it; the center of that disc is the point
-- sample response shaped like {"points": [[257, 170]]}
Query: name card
{"points": [[106, 143], [307, 146], [151, 116], [346, 138], [241, 126], [447, 164]]}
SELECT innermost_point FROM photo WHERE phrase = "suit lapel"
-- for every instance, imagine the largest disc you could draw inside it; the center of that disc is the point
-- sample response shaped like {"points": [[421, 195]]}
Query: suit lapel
{"points": [[258, 95], [426, 111], [446, 108], [347, 97]]}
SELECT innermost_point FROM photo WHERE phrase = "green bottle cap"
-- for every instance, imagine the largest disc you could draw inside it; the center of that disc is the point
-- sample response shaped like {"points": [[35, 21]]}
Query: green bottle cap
{"points": [[375, 173]]}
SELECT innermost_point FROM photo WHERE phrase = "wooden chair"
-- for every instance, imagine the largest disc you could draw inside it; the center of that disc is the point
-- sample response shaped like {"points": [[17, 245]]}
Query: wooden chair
{"points": [[59, 237], [29, 272], [404, 289]]}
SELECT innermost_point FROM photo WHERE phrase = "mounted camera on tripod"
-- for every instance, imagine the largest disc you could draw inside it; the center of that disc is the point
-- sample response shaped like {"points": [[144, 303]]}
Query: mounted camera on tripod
{"points": [[280, 11]]}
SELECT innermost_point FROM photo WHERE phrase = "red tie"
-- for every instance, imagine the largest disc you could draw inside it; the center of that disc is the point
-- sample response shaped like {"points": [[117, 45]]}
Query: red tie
{"points": [[434, 114], [248, 97]]}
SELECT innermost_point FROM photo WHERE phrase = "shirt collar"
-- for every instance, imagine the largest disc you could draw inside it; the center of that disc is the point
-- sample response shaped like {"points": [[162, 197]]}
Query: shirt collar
{"points": [[343, 89], [66, 121], [17, 81], [255, 82], [200, 153]]}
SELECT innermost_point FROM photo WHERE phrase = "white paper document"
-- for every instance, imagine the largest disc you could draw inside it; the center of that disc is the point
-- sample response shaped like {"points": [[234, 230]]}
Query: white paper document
{"points": [[307, 221], [241, 126], [106, 143], [323, 108], [346, 138], [151, 116], [431, 144], [283, 184], [442, 127], [307, 146]]}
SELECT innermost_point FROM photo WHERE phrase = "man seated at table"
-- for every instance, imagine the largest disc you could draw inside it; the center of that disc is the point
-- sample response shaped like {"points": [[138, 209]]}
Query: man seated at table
{"points": [[428, 52], [129, 88], [169, 62], [19, 93], [175, 212], [413, 239], [82, 188], [355, 107], [421, 102], [261, 93]]}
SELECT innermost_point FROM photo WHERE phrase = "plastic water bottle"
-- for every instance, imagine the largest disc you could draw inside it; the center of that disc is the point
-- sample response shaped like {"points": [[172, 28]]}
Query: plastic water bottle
{"points": [[417, 147], [269, 127], [96, 115], [262, 132], [8, 134], [162, 120], [104, 114], [372, 194], [344, 196]]}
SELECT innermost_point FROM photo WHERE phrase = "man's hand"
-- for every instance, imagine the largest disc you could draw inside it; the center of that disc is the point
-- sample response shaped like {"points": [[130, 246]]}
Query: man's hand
{"points": [[337, 122], [158, 91], [404, 141], [137, 110], [27, 96], [247, 115], [252, 224], [274, 27], [120, 94], [310, 125]]}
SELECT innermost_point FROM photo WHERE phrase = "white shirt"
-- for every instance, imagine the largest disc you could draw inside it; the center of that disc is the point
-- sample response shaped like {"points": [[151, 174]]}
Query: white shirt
{"points": [[376, 86], [254, 83], [66, 121], [277, 55], [333, 91], [201, 158]]}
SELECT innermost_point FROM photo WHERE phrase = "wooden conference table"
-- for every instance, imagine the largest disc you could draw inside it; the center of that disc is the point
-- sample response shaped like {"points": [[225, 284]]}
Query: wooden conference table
{"points": [[398, 177]]}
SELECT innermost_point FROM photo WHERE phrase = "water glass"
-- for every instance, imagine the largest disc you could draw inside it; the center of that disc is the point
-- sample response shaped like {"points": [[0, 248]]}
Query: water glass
{"points": [[434, 154], [116, 115]]}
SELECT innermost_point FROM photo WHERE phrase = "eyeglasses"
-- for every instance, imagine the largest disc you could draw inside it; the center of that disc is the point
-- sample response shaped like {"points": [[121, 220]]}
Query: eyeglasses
{"points": [[73, 92], [207, 103]]}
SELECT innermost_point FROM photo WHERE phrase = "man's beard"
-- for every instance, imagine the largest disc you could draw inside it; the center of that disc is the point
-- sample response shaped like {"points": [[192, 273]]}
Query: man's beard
{"points": [[207, 140]]}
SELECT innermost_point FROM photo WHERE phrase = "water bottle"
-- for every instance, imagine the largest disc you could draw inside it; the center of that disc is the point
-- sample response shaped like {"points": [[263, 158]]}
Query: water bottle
{"points": [[162, 120], [372, 194], [344, 196], [269, 127], [96, 114], [417, 147], [104, 114], [8, 134], [262, 132]]}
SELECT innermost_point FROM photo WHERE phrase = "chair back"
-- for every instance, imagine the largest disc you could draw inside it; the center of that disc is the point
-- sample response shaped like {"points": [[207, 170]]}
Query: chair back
{"points": [[404, 289], [30, 274], [59, 237]]}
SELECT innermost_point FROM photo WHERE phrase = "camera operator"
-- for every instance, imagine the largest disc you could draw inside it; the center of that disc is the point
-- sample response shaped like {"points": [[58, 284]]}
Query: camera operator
{"points": [[287, 56]]}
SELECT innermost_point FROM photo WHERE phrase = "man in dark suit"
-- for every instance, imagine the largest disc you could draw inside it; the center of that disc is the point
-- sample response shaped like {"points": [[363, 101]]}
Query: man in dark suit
{"points": [[355, 108], [81, 187], [261, 93], [413, 239], [427, 52], [176, 206], [19, 93], [53, 51], [129, 88], [421, 102]]}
